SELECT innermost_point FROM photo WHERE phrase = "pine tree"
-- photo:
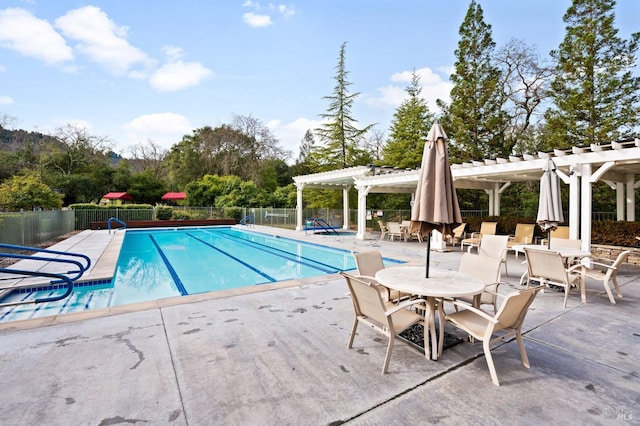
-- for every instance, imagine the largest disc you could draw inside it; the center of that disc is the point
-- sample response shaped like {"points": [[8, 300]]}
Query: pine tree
{"points": [[409, 129], [596, 97], [340, 138], [477, 122]]}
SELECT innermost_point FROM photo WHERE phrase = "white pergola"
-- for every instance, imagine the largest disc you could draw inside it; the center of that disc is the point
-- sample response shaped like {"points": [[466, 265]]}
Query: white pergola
{"points": [[615, 163]]}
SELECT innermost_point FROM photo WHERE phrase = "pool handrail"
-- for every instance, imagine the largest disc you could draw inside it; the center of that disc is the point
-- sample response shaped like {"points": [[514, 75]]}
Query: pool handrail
{"points": [[248, 220], [115, 219], [321, 224], [82, 268], [60, 278]]}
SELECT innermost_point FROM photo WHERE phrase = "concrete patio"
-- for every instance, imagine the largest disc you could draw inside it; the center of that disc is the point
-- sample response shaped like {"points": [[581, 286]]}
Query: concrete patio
{"points": [[280, 356]]}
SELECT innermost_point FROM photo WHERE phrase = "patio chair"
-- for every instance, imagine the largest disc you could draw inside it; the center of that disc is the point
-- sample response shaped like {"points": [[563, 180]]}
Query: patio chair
{"points": [[384, 317], [605, 270], [384, 230], [486, 228], [548, 267], [523, 235], [370, 262], [508, 321], [487, 269], [408, 235], [495, 246], [559, 232], [458, 234], [394, 231]]}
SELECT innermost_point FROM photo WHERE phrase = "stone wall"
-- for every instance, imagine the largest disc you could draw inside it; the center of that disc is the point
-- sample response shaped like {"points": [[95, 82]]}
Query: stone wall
{"points": [[612, 252]]}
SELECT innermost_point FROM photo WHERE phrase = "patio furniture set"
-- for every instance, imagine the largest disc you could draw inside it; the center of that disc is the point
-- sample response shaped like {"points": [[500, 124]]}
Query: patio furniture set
{"points": [[393, 299]]}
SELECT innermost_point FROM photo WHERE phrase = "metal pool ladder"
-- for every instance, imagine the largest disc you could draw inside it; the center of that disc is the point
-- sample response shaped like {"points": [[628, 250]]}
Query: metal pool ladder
{"points": [[78, 262]]}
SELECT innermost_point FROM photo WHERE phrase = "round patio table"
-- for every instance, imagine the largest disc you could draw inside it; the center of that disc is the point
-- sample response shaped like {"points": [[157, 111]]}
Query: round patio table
{"points": [[441, 284]]}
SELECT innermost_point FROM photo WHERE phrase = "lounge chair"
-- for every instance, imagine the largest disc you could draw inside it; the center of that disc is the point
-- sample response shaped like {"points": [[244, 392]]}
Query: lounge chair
{"points": [[488, 270], [523, 235], [408, 235], [458, 234], [384, 317], [605, 270], [548, 267], [486, 228], [508, 320]]}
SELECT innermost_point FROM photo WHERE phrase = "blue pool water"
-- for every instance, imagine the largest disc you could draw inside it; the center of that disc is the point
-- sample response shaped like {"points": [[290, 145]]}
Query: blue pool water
{"points": [[155, 264]]}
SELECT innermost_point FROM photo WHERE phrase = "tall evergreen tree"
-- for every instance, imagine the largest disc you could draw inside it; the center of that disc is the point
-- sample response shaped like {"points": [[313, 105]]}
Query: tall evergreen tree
{"points": [[409, 129], [477, 122], [340, 137], [596, 97]]}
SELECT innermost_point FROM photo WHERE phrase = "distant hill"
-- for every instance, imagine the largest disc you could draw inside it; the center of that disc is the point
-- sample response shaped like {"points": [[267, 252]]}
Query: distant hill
{"points": [[16, 140]]}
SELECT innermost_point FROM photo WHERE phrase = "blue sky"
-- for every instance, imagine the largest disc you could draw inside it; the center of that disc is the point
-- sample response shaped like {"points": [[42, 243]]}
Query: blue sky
{"points": [[139, 70]]}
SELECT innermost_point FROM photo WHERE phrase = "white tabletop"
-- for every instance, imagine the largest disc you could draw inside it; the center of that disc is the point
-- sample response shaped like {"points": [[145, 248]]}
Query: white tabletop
{"points": [[441, 283], [564, 251]]}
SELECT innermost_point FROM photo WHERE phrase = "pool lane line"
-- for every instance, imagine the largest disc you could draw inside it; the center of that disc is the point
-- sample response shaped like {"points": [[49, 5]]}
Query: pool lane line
{"points": [[272, 250], [176, 279], [270, 278]]}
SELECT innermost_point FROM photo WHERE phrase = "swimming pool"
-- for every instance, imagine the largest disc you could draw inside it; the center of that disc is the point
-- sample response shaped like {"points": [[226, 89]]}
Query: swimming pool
{"points": [[161, 263]]}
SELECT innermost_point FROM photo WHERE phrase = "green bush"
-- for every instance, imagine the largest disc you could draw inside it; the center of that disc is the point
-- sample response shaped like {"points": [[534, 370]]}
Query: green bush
{"points": [[164, 213]]}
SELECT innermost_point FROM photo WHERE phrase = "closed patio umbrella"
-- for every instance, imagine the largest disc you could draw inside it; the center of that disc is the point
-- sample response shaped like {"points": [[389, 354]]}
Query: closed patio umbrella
{"points": [[550, 203], [436, 204]]}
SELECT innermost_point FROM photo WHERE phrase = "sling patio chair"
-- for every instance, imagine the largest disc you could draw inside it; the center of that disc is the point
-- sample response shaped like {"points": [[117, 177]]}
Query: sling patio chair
{"points": [[548, 268], [395, 230], [384, 317], [506, 323], [384, 230], [605, 270], [494, 246], [370, 262], [488, 270], [523, 235], [486, 228]]}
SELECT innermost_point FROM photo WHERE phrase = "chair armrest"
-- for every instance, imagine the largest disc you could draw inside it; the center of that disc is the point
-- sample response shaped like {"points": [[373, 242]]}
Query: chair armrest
{"points": [[475, 235], [368, 278], [604, 265], [404, 305], [477, 311]]}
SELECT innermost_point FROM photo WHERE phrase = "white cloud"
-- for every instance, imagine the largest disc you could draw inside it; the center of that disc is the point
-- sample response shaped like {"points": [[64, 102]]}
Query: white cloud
{"points": [[101, 39], [6, 100], [286, 11], [166, 129], [433, 87], [255, 20], [33, 37], [291, 134], [177, 75]]}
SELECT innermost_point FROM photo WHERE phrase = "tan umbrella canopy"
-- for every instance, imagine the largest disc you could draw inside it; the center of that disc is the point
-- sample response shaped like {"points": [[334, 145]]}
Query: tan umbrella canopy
{"points": [[436, 204], [550, 202]]}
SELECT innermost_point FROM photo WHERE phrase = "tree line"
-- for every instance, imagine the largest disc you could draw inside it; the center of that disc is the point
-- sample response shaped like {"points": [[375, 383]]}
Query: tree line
{"points": [[506, 100]]}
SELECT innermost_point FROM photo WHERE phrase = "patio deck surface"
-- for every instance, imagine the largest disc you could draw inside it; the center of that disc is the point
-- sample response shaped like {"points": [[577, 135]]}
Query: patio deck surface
{"points": [[280, 357]]}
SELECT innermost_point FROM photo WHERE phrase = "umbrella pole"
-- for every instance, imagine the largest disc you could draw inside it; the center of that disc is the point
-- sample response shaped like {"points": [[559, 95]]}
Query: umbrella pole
{"points": [[428, 254], [549, 239]]}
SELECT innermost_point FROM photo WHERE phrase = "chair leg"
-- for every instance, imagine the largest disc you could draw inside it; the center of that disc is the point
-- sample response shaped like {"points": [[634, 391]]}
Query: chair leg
{"points": [[615, 284], [566, 295], [486, 345], [353, 333], [523, 352], [387, 358], [608, 289]]}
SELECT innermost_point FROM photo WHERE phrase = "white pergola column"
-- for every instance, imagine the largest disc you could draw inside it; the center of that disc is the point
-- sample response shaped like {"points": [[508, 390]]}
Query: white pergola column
{"points": [[620, 201], [574, 203], [586, 204], [631, 198], [299, 218], [363, 191], [345, 207], [491, 194], [496, 200]]}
